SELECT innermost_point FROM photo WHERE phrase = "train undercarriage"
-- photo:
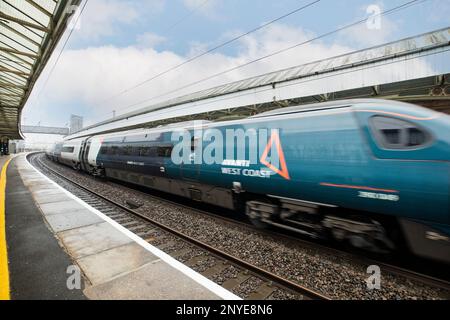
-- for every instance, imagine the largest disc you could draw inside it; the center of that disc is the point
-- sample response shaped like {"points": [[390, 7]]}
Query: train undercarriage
{"points": [[318, 221]]}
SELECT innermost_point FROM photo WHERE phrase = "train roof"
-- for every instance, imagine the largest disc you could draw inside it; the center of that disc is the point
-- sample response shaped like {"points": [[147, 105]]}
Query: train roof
{"points": [[336, 104]]}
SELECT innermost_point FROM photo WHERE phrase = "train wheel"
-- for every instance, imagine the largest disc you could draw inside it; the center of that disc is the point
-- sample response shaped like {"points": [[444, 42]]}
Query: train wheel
{"points": [[259, 224], [255, 217], [360, 232]]}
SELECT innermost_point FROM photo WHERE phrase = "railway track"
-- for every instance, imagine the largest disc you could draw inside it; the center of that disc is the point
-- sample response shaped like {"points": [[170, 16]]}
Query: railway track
{"points": [[215, 264]]}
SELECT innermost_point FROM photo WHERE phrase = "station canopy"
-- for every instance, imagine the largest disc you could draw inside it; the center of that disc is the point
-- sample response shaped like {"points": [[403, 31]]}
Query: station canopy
{"points": [[29, 32]]}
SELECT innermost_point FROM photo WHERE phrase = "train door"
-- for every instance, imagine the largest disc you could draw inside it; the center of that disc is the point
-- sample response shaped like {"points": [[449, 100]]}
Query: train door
{"points": [[85, 147], [191, 169]]}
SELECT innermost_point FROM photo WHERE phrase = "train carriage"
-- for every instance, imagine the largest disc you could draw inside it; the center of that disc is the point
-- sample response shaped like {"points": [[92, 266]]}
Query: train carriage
{"points": [[70, 153], [374, 173]]}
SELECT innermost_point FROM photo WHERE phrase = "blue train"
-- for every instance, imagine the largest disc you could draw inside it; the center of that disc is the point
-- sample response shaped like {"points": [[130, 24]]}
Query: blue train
{"points": [[373, 173]]}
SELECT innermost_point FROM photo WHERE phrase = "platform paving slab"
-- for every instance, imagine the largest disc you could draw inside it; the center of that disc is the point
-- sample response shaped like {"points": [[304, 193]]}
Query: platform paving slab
{"points": [[68, 205], [47, 192], [155, 280], [50, 197], [37, 185], [92, 239], [108, 264], [42, 187], [71, 220], [32, 178]]}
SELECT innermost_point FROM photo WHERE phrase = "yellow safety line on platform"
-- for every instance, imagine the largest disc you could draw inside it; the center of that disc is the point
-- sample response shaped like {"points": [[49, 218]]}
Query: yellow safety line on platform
{"points": [[4, 272]]}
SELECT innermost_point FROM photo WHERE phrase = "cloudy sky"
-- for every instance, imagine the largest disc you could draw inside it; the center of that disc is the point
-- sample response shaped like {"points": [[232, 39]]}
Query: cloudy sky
{"points": [[118, 44]]}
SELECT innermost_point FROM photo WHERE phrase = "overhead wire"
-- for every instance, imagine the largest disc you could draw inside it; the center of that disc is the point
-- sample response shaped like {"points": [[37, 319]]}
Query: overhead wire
{"points": [[204, 53], [384, 13]]}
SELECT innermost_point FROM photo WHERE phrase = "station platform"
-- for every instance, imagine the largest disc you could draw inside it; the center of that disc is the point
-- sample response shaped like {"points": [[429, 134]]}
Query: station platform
{"points": [[55, 246]]}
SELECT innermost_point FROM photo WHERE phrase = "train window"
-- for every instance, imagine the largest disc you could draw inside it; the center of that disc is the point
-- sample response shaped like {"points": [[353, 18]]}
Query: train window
{"points": [[68, 149], [165, 152], [416, 137], [392, 136], [392, 133], [114, 150], [148, 152], [126, 151], [135, 151], [145, 151]]}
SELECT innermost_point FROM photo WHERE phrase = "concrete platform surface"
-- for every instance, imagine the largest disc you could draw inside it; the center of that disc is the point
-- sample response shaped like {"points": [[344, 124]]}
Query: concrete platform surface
{"points": [[155, 279], [115, 263], [37, 263]]}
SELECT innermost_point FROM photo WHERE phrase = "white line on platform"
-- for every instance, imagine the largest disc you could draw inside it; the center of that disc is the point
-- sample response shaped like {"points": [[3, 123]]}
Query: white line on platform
{"points": [[197, 277]]}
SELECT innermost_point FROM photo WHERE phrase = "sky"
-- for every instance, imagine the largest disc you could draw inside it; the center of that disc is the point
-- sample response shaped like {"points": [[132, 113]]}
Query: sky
{"points": [[118, 44]]}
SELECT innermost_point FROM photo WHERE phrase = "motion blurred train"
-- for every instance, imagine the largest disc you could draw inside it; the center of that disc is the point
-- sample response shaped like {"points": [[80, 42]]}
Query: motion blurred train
{"points": [[371, 173]]}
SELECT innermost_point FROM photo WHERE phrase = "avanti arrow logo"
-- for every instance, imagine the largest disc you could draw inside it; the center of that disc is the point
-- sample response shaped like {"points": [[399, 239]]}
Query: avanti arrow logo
{"points": [[275, 140]]}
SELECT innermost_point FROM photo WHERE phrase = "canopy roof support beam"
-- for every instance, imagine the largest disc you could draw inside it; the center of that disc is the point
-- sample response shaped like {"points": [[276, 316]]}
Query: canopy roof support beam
{"points": [[34, 4], [19, 33], [7, 85], [19, 73], [14, 51], [23, 22]]}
